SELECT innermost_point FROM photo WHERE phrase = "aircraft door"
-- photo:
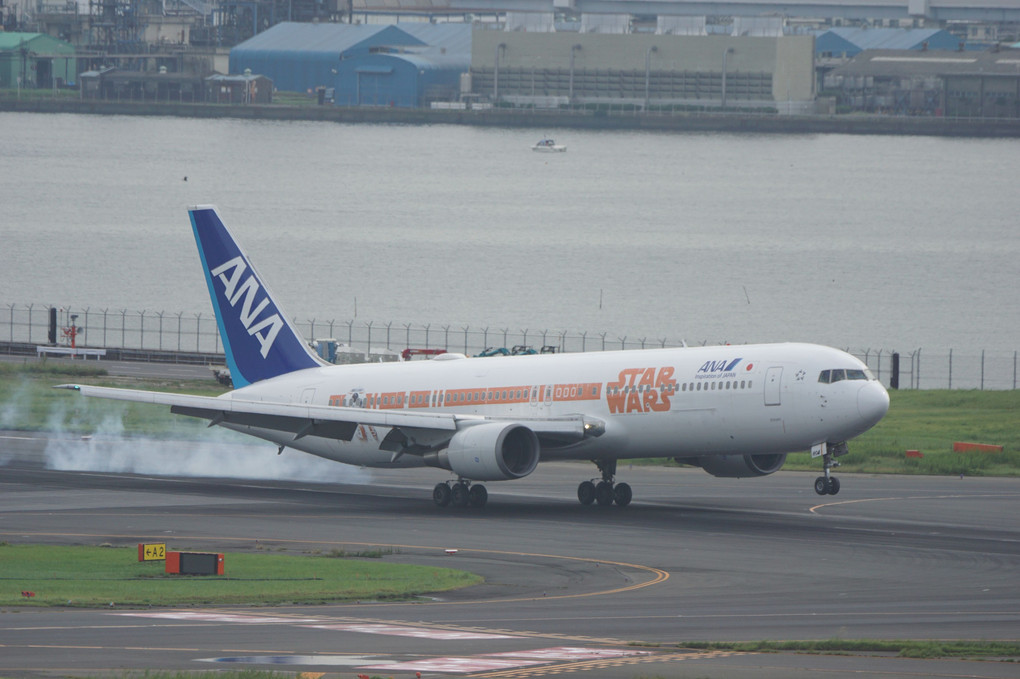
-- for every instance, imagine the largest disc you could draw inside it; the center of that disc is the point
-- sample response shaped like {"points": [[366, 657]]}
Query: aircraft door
{"points": [[773, 381]]}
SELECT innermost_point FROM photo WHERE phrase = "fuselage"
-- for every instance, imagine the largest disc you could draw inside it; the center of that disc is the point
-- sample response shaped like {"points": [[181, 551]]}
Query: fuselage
{"points": [[682, 402]]}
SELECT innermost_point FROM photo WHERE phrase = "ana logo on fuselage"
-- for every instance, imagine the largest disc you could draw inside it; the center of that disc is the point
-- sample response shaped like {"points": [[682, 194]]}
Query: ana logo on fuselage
{"points": [[230, 274], [715, 368]]}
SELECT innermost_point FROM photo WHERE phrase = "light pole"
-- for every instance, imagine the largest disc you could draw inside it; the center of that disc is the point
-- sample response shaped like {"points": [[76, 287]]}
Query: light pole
{"points": [[648, 71], [725, 54], [573, 51], [500, 48]]}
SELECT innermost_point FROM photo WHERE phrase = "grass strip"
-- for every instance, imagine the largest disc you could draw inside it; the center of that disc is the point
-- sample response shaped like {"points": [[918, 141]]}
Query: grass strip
{"points": [[1006, 651], [98, 576], [928, 421]]}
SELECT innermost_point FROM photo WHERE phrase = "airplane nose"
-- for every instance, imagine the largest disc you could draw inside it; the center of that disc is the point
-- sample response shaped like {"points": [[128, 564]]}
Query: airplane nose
{"points": [[872, 402]]}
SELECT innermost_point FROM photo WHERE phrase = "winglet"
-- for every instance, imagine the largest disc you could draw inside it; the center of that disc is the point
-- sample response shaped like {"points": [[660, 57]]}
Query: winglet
{"points": [[259, 340]]}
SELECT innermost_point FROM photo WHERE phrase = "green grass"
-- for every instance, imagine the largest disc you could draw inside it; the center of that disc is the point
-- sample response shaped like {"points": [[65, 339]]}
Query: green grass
{"points": [[97, 576], [1000, 650], [930, 421], [28, 401]]}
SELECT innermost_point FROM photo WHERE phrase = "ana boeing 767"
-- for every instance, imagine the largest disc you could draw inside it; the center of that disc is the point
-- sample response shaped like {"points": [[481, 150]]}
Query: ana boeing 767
{"points": [[734, 411]]}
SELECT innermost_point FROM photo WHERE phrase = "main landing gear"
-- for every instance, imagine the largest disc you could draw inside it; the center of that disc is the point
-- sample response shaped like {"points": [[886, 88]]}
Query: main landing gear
{"points": [[605, 492], [828, 484], [460, 493]]}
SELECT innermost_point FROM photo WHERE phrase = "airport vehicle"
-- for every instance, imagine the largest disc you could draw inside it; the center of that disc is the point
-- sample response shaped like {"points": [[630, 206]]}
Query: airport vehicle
{"points": [[734, 411]]}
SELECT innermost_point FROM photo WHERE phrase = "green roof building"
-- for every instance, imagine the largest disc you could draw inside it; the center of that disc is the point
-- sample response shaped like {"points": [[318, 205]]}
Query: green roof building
{"points": [[40, 60]]}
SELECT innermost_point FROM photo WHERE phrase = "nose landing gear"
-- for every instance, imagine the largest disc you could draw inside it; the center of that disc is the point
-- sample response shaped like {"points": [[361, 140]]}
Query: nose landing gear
{"points": [[828, 484], [606, 491]]}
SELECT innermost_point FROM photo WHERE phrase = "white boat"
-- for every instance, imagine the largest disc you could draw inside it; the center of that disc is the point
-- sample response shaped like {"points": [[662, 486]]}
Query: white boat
{"points": [[548, 146]]}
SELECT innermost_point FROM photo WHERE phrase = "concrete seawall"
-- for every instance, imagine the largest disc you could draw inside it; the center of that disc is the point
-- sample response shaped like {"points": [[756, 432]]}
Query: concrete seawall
{"points": [[654, 121]]}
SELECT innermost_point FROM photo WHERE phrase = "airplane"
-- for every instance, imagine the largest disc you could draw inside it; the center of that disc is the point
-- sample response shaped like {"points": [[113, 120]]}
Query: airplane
{"points": [[733, 411]]}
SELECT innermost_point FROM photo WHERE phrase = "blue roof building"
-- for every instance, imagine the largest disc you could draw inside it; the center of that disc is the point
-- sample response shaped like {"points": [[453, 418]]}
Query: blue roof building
{"points": [[848, 42], [375, 65]]}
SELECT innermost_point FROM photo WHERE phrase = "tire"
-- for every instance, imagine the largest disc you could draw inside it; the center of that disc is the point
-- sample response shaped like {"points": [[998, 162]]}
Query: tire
{"points": [[604, 494], [478, 496], [833, 485], [622, 494], [441, 495], [821, 486], [459, 495], [586, 492]]}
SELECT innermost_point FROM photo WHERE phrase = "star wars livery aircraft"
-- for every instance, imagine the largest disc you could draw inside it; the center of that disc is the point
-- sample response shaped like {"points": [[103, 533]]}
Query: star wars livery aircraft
{"points": [[734, 411]]}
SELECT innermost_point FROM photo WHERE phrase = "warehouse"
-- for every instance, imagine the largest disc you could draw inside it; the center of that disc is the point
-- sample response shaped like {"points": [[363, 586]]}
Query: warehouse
{"points": [[366, 65], [934, 83], [35, 60], [551, 69]]}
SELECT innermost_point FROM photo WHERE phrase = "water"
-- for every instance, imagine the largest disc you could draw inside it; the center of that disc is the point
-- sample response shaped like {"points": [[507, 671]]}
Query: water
{"points": [[893, 242]]}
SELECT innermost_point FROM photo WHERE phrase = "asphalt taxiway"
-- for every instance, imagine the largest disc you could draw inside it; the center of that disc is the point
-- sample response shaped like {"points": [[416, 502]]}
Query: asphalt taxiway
{"points": [[601, 592]]}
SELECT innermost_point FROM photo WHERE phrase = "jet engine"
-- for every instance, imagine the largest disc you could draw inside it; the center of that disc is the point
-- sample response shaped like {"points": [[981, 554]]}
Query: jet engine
{"points": [[739, 466], [494, 451]]}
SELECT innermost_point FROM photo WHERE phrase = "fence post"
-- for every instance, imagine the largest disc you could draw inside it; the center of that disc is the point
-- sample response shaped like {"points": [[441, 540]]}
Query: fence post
{"points": [[312, 329], [179, 314], [198, 332], [104, 326], [141, 329], [446, 337], [30, 323], [465, 329], [123, 328], [388, 334], [982, 370], [12, 322], [584, 341], [950, 368], [368, 342], [623, 342], [894, 377], [524, 335]]}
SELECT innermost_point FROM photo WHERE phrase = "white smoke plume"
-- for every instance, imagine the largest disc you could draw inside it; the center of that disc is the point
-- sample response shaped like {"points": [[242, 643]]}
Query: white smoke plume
{"points": [[197, 451]]}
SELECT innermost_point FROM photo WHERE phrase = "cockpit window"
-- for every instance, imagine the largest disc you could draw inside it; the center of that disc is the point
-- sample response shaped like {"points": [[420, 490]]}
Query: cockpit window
{"points": [[839, 374]]}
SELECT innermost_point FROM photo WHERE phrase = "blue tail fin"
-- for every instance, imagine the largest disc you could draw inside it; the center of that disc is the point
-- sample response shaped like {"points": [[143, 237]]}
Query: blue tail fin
{"points": [[258, 338]]}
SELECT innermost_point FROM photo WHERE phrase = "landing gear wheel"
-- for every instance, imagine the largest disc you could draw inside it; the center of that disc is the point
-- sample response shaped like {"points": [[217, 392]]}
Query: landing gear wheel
{"points": [[833, 485], [586, 492], [604, 493], [478, 496], [822, 485], [622, 494], [441, 495], [459, 495]]}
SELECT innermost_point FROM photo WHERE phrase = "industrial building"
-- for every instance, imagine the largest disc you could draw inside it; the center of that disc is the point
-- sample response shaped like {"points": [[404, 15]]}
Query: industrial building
{"points": [[682, 67], [34, 60], [399, 64], [847, 42], [933, 83]]}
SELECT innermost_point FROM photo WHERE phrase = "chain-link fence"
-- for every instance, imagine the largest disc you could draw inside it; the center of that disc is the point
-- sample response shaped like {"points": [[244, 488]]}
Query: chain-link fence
{"points": [[197, 334]]}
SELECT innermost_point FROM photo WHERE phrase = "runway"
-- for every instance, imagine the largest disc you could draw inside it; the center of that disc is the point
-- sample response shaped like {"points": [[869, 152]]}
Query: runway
{"points": [[601, 592]]}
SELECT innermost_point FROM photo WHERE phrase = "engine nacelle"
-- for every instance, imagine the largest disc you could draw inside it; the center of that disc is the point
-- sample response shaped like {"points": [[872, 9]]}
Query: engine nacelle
{"points": [[495, 451], [741, 466]]}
